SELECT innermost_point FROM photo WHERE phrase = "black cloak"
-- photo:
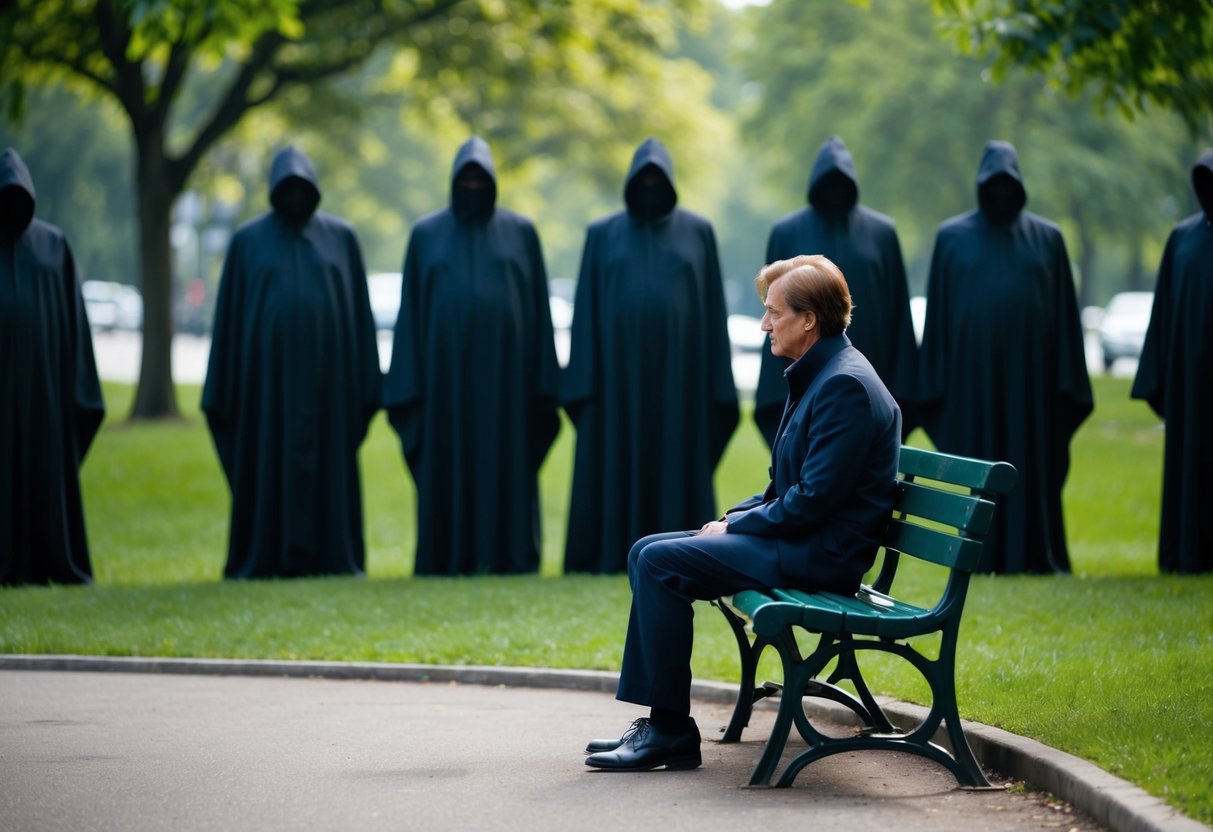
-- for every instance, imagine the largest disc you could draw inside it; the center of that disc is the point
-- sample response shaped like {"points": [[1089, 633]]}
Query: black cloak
{"points": [[1003, 373], [649, 384], [1173, 376], [292, 384], [472, 386], [50, 398], [864, 245]]}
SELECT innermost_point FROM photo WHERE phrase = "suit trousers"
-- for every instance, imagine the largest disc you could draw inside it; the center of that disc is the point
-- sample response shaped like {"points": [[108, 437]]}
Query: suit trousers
{"points": [[668, 572]]}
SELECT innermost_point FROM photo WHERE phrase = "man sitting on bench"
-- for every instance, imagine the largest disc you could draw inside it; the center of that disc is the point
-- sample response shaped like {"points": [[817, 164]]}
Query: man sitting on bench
{"points": [[817, 526]]}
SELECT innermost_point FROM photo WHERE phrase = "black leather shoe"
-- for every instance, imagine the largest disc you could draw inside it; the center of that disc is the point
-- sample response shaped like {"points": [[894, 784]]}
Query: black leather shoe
{"points": [[644, 748], [596, 746]]}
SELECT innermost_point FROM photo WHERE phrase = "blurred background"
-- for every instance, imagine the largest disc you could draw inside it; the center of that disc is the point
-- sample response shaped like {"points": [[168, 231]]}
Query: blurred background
{"points": [[743, 94]]}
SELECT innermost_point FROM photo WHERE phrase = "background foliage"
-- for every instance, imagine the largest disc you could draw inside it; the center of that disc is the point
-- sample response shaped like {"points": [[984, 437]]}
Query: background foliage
{"points": [[744, 97]]}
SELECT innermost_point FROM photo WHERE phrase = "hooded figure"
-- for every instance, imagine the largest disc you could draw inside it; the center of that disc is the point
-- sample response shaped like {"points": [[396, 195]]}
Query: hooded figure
{"points": [[864, 245], [649, 384], [50, 398], [1173, 376], [472, 386], [1003, 373], [292, 384]]}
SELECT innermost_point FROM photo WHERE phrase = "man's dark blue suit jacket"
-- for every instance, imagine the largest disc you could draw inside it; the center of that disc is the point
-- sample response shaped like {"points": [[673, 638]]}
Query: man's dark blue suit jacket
{"points": [[834, 462]]}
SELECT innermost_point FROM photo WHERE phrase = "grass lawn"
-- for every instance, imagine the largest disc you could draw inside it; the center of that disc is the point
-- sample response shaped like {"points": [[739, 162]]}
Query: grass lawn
{"points": [[1113, 664]]}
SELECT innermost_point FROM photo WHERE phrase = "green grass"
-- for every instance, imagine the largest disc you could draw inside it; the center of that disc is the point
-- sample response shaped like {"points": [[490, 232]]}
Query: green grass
{"points": [[1113, 663]]}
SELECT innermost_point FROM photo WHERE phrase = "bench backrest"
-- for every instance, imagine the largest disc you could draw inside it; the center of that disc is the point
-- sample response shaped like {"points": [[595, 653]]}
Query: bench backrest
{"points": [[943, 510]]}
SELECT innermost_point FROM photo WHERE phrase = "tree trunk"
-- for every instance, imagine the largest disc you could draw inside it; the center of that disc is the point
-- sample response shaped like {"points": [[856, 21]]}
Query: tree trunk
{"points": [[1137, 272], [155, 398], [1086, 259]]}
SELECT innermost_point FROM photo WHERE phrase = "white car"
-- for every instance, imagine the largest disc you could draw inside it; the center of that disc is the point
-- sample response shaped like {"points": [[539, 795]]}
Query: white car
{"points": [[111, 305], [384, 289], [1122, 331]]}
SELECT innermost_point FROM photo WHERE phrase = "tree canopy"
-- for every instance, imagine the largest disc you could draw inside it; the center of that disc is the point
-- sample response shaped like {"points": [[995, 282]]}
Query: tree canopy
{"points": [[186, 73], [1130, 51], [916, 117]]}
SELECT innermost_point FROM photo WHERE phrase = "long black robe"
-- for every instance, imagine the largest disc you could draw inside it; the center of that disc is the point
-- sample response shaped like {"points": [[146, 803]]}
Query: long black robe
{"points": [[864, 244], [50, 397], [472, 386], [292, 384], [1174, 377], [649, 383], [1003, 373]]}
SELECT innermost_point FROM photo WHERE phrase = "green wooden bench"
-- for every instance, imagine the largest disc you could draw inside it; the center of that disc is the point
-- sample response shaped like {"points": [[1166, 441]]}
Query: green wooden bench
{"points": [[944, 508]]}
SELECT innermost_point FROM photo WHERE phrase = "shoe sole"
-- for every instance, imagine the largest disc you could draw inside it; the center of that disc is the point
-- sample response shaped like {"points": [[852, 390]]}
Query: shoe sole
{"points": [[683, 763]]}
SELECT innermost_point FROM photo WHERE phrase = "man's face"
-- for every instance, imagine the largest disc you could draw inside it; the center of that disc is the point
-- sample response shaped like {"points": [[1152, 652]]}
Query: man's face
{"points": [[792, 333]]}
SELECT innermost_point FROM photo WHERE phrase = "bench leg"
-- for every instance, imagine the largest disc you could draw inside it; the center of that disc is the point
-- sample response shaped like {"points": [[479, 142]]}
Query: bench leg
{"points": [[790, 709], [848, 669], [943, 686], [747, 692]]}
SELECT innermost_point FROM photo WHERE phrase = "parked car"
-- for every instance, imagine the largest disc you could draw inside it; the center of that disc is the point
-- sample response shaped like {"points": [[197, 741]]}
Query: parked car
{"points": [[111, 305], [745, 334], [1122, 332], [384, 288]]}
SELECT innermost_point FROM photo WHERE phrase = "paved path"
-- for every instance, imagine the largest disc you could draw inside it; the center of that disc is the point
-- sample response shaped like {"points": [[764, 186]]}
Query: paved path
{"points": [[135, 751]]}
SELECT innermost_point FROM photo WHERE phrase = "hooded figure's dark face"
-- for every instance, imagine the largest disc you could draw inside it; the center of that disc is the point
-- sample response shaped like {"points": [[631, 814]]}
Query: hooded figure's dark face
{"points": [[834, 193], [295, 200], [473, 193], [16, 211], [649, 194], [1001, 199]]}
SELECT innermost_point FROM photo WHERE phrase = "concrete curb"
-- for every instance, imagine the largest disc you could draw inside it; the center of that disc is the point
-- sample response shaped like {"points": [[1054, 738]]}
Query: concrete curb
{"points": [[1108, 800]]}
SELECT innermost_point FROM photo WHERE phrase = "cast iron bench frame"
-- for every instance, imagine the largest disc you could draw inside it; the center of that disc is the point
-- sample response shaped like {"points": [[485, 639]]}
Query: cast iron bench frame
{"points": [[934, 521]]}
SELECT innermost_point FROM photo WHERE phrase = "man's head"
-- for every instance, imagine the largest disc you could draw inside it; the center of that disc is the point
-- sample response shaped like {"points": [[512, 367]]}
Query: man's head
{"points": [[806, 298]]}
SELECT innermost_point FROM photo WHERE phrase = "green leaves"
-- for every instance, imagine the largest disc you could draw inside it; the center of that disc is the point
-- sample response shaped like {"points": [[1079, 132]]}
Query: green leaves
{"points": [[1129, 52]]}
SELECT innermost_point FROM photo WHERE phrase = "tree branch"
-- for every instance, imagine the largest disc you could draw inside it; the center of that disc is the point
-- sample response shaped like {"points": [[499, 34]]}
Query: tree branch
{"points": [[128, 76], [234, 105], [179, 57], [236, 101]]}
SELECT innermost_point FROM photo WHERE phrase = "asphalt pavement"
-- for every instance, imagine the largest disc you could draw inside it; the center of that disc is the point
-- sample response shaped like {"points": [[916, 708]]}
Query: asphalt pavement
{"points": [[134, 751]]}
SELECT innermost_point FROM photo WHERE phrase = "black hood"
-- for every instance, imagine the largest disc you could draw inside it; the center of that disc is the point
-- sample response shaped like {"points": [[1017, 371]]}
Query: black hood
{"points": [[294, 192], [655, 201], [833, 185], [17, 196], [1000, 191], [473, 203], [1202, 183]]}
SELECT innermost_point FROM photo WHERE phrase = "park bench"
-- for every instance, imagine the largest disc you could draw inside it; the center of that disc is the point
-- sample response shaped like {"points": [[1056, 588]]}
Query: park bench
{"points": [[943, 509]]}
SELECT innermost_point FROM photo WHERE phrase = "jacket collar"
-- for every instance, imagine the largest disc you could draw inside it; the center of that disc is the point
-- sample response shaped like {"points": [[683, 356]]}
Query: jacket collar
{"points": [[806, 368]]}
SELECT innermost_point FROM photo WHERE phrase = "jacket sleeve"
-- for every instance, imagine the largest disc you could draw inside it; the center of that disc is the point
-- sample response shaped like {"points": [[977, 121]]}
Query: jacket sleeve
{"points": [[838, 435]]}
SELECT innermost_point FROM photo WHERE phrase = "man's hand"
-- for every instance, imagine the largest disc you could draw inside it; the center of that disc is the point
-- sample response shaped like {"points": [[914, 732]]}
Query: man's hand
{"points": [[714, 527]]}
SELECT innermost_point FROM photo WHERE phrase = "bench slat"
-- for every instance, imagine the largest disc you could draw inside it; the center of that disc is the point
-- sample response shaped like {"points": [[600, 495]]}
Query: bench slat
{"points": [[770, 612], [965, 512], [980, 475], [938, 547]]}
